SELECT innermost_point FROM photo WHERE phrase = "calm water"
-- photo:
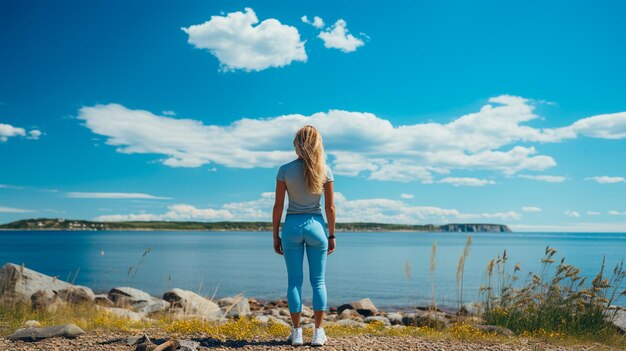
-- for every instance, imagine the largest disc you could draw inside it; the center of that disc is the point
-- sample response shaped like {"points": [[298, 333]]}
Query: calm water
{"points": [[226, 263]]}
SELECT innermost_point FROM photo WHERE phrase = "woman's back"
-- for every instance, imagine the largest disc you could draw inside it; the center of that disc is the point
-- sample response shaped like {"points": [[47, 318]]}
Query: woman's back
{"points": [[301, 200]]}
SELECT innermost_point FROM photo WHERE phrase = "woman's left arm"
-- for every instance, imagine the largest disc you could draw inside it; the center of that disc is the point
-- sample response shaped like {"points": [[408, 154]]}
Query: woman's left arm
{"points": [[277, 214]]}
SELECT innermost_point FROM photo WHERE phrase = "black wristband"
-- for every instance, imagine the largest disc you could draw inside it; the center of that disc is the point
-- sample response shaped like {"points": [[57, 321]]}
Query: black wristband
{"points": [[331, 237]]}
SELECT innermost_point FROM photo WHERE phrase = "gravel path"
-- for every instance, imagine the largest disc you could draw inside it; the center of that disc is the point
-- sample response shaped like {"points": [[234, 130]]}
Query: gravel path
{"points": [[106, 341]]}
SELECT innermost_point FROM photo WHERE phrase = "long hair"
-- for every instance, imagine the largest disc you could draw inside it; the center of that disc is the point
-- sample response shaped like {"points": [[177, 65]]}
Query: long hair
{"points": [[308, 144]]}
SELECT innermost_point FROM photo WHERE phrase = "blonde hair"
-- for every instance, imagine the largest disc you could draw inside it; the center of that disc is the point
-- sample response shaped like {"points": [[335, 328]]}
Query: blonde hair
{"points": [[308, 144]]}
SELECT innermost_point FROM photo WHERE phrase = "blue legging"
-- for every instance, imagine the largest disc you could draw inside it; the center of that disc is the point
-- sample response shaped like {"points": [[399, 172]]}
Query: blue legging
{"points": [[300, 231]]}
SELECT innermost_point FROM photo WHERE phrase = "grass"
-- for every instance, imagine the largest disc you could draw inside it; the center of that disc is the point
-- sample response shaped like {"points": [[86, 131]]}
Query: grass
{"points": [[556, 302], [86, 316]]}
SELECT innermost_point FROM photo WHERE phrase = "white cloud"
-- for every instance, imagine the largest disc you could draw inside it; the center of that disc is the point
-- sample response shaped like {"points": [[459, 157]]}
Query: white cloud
{"points": [[593, 213], [608, 126], [365, 210], [544, 178], [607, 179], [584, 227], [570, 213], [406, 196], [8, 131], [616, 213], [238, 44], [531, 209], [358, 143], [168, 113], [13, 210], [7, 186], [34, 134], [338, 37], [90, 195], [318, 22], [466, 181]]}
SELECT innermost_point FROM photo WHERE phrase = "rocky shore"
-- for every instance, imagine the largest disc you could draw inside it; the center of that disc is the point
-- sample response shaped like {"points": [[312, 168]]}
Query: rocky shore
{"points": [[49, 294]]}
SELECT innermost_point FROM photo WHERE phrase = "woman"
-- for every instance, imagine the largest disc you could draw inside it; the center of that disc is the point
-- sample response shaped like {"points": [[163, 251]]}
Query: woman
{"points": [[304, 180]]}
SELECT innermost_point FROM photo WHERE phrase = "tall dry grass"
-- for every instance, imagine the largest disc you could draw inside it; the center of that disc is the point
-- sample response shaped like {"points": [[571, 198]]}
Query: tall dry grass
{"points": [[433, 265], [460, 270], [557, 300]]}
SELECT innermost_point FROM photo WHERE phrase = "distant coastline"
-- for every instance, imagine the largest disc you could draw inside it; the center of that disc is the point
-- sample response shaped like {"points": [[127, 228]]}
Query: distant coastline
{"points": [[82, 225]]}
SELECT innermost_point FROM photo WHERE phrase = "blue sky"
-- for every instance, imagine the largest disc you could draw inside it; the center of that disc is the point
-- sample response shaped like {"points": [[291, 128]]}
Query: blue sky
{"points": [[431, 112]]}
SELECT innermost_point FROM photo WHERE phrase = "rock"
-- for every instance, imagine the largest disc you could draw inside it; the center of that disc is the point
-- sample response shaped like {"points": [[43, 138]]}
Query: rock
{"points": [[381, 319], [262, 318], [284, 312], [472, 308], [395, 318], [330, 317], [350, 323], [69, 331], [103, 300], [364, 307], [275, 312], [433, 319], [45, 300], [348, 314], [495, 329], [188, 345], [21, 283], [76, 295], [32, 324], [140, 301], [617, 316], [237, 306], [448, 310], [190, 303], [122, 313], [308, 325], [279, 321], [307, 312], [138, 339]]}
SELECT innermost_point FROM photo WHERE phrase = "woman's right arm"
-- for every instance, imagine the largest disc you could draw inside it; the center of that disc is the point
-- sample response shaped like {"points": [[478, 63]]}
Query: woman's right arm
{"points": [[277, 214], [329, 205]]}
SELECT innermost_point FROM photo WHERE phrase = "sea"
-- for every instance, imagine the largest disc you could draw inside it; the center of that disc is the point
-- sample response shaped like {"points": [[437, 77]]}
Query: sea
{"points": [[393, 269]]}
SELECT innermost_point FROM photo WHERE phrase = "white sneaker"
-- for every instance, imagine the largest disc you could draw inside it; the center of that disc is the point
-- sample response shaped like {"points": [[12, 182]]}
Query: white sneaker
{"points": [[319, 337], [296, 337]]}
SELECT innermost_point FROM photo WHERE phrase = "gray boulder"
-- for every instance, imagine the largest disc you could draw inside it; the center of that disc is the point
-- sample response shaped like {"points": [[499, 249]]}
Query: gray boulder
{"points": [[188, 303], [381, 319], [103, 300], [348, 314], [32, 324], [350, 323], [364, 307], [617, 316], [431, 319], [237, 306], [262, 318], [279, 321], [69, 331], [307, 311], [46, 300], [188, 345], [21, 283], [395, 318], [122, 313], [139, 301]]}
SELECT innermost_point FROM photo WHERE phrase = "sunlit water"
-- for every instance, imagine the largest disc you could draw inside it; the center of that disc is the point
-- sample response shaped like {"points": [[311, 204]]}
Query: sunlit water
{"points": [[370, 265]]}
